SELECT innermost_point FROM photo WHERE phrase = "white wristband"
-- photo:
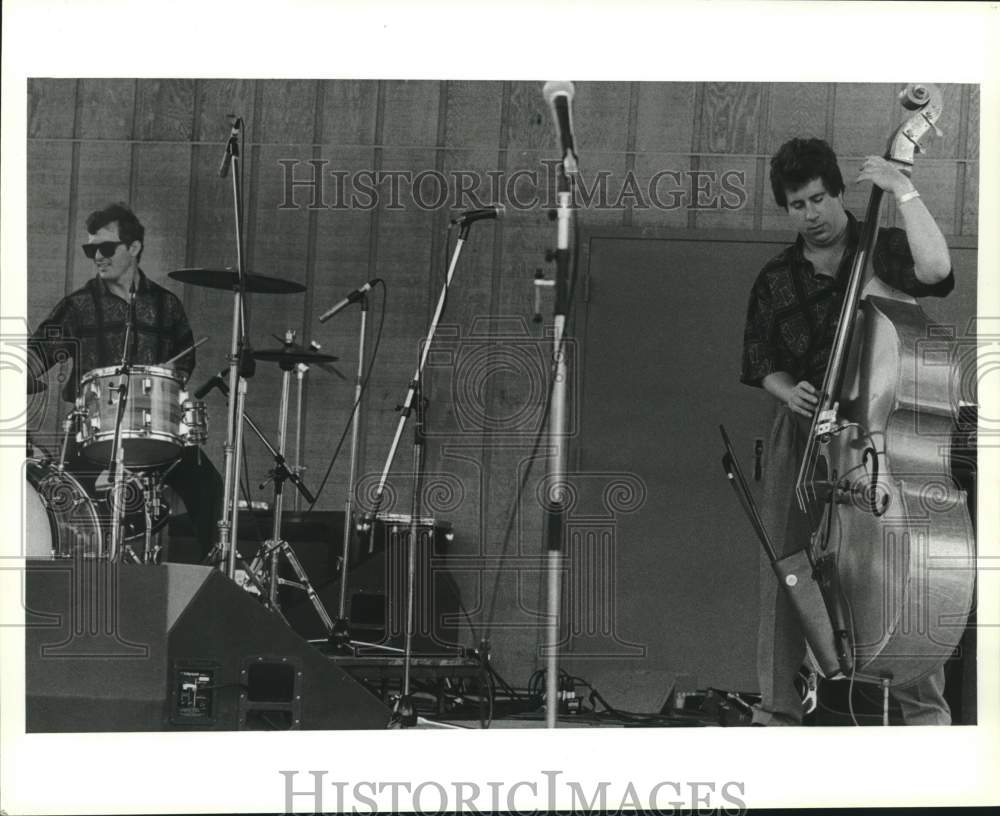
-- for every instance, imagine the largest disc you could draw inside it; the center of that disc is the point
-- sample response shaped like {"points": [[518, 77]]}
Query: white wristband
{"points": [[907, 197]]}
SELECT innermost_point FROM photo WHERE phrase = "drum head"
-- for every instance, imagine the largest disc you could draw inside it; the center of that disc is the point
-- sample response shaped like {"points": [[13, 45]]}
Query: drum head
{"points": [[60, 519]]}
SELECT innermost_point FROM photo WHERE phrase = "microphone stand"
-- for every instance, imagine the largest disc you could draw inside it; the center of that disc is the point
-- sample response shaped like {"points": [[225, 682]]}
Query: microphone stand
{"points": [[407, 405], [117, 461], [405, 714], [240, 367], [557, 441], [340, 633]]}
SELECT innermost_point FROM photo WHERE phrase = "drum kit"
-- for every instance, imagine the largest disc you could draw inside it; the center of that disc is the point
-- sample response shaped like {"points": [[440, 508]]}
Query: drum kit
{"points": [[159, 420], [69, 515]]}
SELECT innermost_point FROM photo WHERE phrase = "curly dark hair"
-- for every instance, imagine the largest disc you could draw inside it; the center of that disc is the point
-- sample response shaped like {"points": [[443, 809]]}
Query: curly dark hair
{"points": [[129, 227], [799, 161]]}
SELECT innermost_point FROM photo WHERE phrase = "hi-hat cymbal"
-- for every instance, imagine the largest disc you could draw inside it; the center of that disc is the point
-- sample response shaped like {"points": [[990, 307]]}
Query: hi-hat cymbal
{"points": [[293, 355], [226, 279]]}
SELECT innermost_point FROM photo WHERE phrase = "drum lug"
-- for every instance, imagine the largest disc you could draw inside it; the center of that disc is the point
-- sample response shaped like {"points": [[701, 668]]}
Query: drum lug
{"points": [[147, 421], [147, 385]]}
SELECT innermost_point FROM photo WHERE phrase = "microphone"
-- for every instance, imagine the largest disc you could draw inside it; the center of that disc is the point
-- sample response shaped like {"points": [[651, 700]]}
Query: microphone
{"points": [[354, 297], [467, 217], [559, 95], [231, 147]]}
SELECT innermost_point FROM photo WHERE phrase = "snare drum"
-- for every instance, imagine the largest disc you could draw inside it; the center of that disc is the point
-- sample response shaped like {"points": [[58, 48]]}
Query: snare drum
{"points": [[159, 417], [60, 519]]}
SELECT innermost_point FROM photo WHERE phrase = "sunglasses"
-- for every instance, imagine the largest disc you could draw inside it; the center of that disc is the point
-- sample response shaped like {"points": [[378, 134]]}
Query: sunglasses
{"points": [[108, 248]]}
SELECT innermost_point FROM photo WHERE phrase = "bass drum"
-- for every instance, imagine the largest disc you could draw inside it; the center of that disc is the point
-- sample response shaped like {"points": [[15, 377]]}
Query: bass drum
{"points": [[59, 517]]}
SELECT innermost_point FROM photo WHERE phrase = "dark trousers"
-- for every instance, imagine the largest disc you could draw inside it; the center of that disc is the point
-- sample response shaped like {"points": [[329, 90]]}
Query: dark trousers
{"points": [[192, 476]]}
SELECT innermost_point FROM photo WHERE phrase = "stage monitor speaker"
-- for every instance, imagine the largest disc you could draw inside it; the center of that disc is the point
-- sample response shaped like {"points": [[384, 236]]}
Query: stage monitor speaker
{"points": [[172, 647]]}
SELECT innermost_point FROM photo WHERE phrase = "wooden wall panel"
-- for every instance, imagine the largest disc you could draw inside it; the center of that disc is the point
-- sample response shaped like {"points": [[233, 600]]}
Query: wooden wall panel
{"points": [[729, 118], [529, 120], [107, 108], [51, 108], [971, 147], [411, 112], [162, 173], [624, 194], [49, 176], [665, 123], [970, 203], [668, 194], [349, 110], [473, 116], [165, 110], [287, 112], [600, 119], [797, 110], [864, 116], [714, 201], [220, 99], [950, 144]]}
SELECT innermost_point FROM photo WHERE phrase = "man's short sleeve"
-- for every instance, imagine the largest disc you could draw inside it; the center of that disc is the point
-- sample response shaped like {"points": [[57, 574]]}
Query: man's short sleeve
{"points": [[894, 264]]}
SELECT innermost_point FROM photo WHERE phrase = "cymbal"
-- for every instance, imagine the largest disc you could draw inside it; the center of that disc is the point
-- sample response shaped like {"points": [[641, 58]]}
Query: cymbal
{"points": [[226, 279], [293, 355]]}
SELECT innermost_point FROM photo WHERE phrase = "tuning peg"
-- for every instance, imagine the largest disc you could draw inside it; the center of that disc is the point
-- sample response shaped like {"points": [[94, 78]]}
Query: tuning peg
{"points": [[933, 125]]}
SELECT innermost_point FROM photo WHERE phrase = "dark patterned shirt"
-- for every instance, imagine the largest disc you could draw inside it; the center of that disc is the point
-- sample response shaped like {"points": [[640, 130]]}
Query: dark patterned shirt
{"points": [[88, 326], [794, 311]]}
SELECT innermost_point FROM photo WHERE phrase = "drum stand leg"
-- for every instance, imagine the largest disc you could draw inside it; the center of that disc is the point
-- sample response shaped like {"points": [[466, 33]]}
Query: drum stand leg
{"points": [[277, 545]]}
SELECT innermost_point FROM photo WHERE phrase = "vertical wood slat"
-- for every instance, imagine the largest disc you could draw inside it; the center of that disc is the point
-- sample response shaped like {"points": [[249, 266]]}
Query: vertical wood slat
{"points": [[192, 190], [961, 141], [696, 115], [630, 140], [297, 456], [74, 188], [133, 137]]}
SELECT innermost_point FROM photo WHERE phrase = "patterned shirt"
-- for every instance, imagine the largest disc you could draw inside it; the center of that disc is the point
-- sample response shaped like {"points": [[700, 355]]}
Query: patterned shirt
{"points": [[88, 327], [793, 312]]}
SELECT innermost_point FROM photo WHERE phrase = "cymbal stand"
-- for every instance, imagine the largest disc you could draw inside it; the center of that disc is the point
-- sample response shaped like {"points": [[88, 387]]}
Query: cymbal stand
{"points": [[340, 634], [116, 464], [276, 545], [240, 367], [300, 372], [72, 421]]}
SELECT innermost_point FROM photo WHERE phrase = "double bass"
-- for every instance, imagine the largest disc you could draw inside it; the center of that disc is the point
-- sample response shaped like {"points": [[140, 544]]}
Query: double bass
{"points": [[893, 545]]}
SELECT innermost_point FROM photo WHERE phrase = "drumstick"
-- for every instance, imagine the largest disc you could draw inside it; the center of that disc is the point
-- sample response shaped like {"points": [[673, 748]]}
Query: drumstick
{"points": [[188, 350]]}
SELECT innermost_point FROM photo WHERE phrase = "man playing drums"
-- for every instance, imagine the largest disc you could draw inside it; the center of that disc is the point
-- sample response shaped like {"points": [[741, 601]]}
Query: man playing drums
{"points": [[90, 325]]}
